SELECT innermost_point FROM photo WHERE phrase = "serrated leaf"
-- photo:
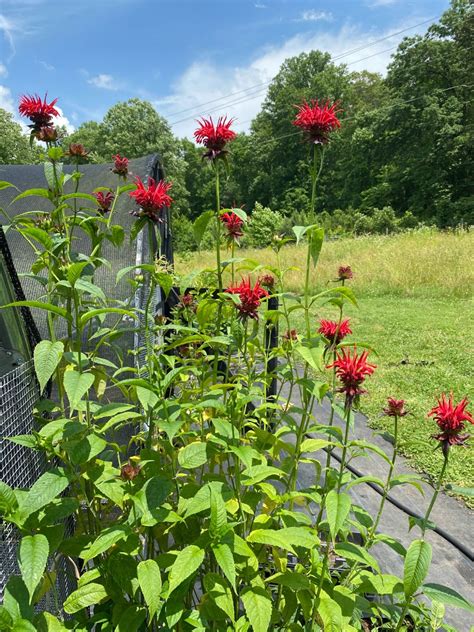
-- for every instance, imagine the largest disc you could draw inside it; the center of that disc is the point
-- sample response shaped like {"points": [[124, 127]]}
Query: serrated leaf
{"points": [[225, 559], [7, 499], [258, 608], [44, 490], [313, 445], [352, 551], [85, 596], [193, 455], [186, 563], [417, 563], [149, 580], [48, 307], [446, 595], [316, 239], [32, 559], [105, 541], [338, 506], [30, 192], [220, 593], [313, 356], [47, 356], [218, 514], [330, 614], [76, 385]]}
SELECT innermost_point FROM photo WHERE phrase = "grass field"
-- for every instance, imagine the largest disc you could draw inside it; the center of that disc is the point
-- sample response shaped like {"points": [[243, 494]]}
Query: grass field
{"points": [[416, 310]]}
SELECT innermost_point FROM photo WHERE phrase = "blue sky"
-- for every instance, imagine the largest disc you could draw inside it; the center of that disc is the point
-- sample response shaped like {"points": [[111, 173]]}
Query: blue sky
{"points": [[179, 54]]}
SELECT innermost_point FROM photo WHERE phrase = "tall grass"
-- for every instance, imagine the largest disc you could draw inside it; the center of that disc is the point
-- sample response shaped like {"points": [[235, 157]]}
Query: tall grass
{"points": [[423, 263]]}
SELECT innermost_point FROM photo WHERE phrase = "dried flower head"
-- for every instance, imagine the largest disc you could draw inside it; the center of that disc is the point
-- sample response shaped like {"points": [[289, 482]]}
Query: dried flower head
{"points": [[395, 407], [334, 331], [120, 166], [450, 418], [317, 120], [129, 471], [78, 152], [214, 136], [250, 297], [40, 112], [344, 273], [290, 335], [152, 198], [268, 281], [47, 134]]}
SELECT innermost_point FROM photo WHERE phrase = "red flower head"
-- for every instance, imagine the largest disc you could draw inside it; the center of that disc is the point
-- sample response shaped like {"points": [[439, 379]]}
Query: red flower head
{"points": [[395, 408], [450, 419], [233, 225], [317, 121], [344, 273], [104, 201], [250, 297], [352, 370], [151, 198], [214, 137], [334, 331], [39, 112], [120, 166]]}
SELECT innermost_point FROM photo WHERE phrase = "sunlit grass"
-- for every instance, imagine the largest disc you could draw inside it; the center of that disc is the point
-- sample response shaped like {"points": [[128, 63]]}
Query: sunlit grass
{"points": [[416, 310]]}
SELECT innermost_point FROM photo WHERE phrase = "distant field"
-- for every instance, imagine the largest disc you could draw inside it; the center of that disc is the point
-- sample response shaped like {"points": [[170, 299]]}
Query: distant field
{"points": [[416, 310]]}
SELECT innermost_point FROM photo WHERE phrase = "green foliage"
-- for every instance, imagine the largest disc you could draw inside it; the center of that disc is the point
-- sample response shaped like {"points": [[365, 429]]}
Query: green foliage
{"points": [[264, 224], [15, 146]]}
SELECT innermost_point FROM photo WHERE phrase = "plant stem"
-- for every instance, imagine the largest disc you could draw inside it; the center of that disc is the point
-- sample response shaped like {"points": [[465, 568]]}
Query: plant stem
{"points": [[344, 446], [218, 229], [436, 492]]}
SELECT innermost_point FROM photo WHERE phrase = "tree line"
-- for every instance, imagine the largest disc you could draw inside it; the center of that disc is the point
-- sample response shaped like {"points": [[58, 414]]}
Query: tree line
{"points": [[403, 155]]}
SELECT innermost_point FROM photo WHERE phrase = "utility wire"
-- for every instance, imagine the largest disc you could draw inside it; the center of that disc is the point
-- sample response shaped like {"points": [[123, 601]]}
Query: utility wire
{"points": [[335, 58]]}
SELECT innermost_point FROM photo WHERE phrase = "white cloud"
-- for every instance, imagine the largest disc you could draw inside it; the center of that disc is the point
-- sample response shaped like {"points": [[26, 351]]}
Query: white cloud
{"points": [[381, 3], [260, 5], [46, 66], [63, 121], [3, 70], [106, 82], [6, 100], [8, 28], [206, 81], [315, 16]]}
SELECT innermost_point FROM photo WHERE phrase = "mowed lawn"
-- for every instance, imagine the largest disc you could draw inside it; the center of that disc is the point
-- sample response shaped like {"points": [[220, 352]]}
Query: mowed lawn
{"points": [[416, 310]]}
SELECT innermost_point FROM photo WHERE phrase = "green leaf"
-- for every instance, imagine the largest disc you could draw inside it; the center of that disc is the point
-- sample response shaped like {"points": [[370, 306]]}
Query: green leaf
{"points": [[7, 499], [313, 445], [60, 311], [23, 625], [85, 318], [285, 538], [6, 185], [76, 385], [417, 563], [315, 239], [147, 398], [299, 232], [47, 356], [85, 596], [105, 541], [186, 563], [200, 225], [149, 580], [258, 607], [218, 514], [137, 227], [32, 559], [16, 599], [338, 506], [131, 619], [357, 553], [448, 596], [193, 455], [40, 235], [330, 614], [225, 559], [44, 490], [89, 288], [220, 593], [258, 473], [314, 356], [85, 449], [29, 192]]}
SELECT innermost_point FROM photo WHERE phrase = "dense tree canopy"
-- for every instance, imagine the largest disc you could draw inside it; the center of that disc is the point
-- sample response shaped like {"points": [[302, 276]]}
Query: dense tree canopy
{"points": [[14, 146], [404, 150]]}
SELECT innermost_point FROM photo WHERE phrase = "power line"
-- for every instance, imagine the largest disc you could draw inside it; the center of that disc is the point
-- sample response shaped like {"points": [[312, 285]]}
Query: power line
{"points": [[335, 58]]}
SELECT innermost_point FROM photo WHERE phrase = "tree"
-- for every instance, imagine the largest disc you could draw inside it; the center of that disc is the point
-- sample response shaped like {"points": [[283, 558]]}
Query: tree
{"points": [[15, 146]]}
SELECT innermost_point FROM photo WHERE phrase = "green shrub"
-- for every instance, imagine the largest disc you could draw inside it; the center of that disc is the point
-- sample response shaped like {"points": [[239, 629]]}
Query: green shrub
{"points": [[264, 224]]}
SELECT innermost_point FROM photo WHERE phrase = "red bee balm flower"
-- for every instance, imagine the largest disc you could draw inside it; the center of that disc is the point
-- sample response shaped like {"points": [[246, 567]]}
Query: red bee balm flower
{"points": [[214, 137], [333, 330], [450, 419], [39, 112], [317, 121], [352, 371], [104, 200], [233, 225], [395, 408], [120, 166], [250, 297], [151, 198]]}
